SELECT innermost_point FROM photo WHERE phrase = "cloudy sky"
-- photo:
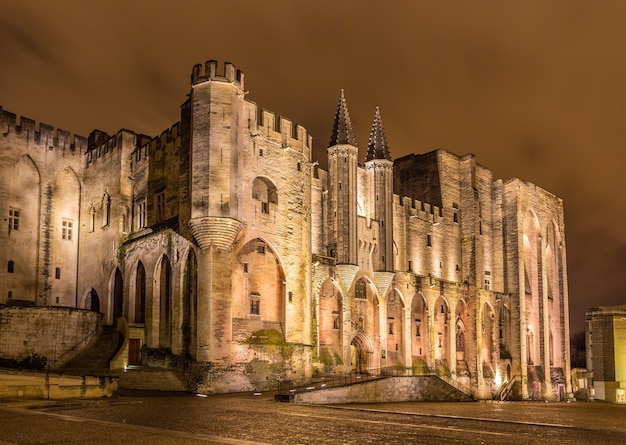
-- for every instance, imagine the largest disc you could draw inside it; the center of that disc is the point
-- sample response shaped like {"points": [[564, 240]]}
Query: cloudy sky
{"points": [[535, 89]]}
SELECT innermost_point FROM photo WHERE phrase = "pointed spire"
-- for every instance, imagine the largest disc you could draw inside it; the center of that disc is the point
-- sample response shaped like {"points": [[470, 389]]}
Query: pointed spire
{"points": [[377, 147], [342, 128]]}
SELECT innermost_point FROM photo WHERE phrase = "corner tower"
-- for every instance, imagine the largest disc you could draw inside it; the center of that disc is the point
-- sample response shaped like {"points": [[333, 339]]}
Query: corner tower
{"points": [[215, 110], [379, 168], [342, 185]]}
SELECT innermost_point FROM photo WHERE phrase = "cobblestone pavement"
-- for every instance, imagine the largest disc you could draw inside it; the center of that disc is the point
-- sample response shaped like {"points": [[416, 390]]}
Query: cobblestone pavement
{"points": [[162, 418]]}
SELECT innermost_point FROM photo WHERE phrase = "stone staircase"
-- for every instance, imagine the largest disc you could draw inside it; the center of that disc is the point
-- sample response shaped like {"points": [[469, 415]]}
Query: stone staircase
{"points": [[94, 360], [153, 379]]}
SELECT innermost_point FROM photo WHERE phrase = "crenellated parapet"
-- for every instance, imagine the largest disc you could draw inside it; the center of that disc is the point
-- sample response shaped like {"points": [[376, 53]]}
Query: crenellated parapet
{"points": [[145, 146], [282, 130], [43, 135], [208, 72], [414, 208]]}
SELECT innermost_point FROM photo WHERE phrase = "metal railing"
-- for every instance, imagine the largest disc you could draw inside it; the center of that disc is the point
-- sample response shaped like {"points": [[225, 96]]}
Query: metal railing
{"points": [[506, 388], [52, 364]]}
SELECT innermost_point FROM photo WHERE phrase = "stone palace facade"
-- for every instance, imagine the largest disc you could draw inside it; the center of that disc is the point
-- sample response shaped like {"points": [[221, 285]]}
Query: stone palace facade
{"points": [[222, 243]]}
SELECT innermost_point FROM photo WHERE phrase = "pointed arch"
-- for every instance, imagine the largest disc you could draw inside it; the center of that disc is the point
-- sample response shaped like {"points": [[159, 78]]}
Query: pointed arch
{"points": [[362, 351], [118, 295], [488, 339], [265, 191], [258, 289], [365, 317], [163, 294], [441, 327], [420, 339], [462, 324], [91, 300], [140, 294], [190, 305], [395, 328], [65, 221], [24, 220]]}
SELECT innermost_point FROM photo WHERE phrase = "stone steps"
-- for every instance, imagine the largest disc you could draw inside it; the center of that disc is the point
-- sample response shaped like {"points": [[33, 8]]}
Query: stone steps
{"points": [[154, 379], [94, 360]]}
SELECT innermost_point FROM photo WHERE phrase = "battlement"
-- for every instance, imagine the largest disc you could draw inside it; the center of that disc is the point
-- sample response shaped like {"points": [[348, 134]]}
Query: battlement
{"points": [[208, 72], [418, 209], [45, 135], [146, 146], [283, 129]]}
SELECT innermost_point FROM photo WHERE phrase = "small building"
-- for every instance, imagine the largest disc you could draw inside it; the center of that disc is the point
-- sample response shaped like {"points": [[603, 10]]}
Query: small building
{"points": [[606, 352]]}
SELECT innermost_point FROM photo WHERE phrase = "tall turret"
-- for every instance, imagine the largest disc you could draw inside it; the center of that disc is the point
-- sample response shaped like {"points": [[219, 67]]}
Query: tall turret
{"points": [[342, 240], [216, 109], [379, 168]]}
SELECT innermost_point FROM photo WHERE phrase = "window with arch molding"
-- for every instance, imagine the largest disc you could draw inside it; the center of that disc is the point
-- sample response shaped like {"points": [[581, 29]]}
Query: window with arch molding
{"points": [[265, 191]]}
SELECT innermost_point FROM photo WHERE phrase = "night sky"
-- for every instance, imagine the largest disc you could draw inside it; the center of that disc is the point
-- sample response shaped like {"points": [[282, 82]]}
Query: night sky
{"points": [[535, 89]]}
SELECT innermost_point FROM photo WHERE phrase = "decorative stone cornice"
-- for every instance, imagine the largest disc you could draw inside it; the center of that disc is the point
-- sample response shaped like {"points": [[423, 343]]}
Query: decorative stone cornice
{"points": [[218, 232], [346, 273], [383, 281], [344, 151]]}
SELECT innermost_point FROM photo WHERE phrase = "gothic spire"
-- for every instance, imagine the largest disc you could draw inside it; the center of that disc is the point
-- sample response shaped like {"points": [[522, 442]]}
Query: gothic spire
{"points": [[342, 127], [377, 147]]}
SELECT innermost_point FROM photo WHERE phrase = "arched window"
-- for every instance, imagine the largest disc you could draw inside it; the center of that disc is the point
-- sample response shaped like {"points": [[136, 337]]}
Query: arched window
{"points": [[106, 209], [140, 294], [265, 191]]}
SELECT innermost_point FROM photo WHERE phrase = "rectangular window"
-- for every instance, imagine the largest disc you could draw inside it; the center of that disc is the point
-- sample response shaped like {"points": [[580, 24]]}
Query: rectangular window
{"points": [[418, 324], [335, 320], [265, 207], [160, 201], [260, 249], [245, 267], [390, 324], [57, 273], [487, 279], [92, 219], [67, 230], [359, 290], [141, 214], [255, 304], [14, 219], [429, 240]]}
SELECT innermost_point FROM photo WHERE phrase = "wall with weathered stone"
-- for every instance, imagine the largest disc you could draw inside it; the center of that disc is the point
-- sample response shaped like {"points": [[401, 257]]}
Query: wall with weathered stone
{"points": [[39, 385], [52, 332], [392, 389]]}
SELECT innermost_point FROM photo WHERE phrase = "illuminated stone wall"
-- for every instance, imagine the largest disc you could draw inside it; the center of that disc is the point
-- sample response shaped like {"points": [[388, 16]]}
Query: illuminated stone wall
{"points": [[55, 334]]}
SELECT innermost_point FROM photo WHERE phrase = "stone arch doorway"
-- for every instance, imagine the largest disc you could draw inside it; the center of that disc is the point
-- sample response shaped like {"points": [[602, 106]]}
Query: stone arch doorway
{"points": [[364, 313], [361, 351], [92, 301]]}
